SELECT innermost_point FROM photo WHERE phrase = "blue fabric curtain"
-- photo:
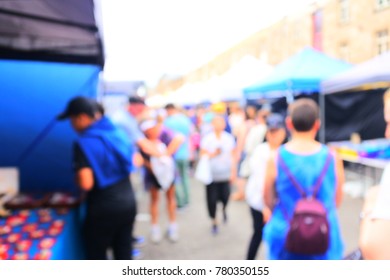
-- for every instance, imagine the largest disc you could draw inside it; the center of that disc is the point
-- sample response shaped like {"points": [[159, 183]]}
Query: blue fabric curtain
{"points": [[32, 94]]}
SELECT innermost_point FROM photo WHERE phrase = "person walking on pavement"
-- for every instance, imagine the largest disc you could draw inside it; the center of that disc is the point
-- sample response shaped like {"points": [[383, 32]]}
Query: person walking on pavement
{"points": [[302, 169], [219, 147], [181, 124], [240, 152], [128, 121], [254, 191], [162, 179]]}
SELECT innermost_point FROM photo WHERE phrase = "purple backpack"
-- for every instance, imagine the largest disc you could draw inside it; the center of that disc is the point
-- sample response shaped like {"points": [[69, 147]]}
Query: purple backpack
{"points": [[308, 233]]}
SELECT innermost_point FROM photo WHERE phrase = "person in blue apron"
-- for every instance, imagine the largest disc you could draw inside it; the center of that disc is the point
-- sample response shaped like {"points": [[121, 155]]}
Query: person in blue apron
{"points": [[102, 159]]}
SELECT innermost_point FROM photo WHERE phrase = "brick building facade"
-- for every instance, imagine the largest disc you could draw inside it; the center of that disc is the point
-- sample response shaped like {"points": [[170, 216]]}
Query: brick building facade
{"points": [[352, 30]]}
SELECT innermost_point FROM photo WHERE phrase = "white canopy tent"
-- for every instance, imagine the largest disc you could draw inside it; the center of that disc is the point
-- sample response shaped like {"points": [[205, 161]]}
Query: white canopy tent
{"points": [[247, 71]]}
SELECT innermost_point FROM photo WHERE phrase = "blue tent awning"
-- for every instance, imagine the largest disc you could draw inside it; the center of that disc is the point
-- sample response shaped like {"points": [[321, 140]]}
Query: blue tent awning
{"points": [[301, 73], [374, 73]]}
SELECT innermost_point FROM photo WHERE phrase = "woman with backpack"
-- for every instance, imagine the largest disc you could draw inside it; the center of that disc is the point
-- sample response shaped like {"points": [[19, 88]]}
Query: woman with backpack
{"points": [[303, 187]]}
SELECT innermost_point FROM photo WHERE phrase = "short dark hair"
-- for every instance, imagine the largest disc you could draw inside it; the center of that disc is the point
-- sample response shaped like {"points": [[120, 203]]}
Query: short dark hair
{"points": [[170, 106], [136, 100], [100, 108], [304, 113]]}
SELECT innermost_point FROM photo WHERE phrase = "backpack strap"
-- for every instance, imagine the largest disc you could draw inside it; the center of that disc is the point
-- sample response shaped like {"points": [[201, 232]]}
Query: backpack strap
{"points": [[295, 183], [320, 179]]}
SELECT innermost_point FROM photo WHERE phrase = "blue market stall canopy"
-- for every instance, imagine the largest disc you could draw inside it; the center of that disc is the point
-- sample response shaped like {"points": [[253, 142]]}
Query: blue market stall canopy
{"points": [[50, 30], [32, 95], [374, 73], [50, 51], [300, 74]]}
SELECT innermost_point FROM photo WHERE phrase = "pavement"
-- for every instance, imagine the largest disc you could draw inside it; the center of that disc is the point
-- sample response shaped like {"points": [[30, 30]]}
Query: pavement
{"points": [[196, 241]]}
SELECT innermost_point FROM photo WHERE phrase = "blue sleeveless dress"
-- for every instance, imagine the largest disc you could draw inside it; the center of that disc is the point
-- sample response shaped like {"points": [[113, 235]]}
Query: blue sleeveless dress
{"points": [[306, 170]]}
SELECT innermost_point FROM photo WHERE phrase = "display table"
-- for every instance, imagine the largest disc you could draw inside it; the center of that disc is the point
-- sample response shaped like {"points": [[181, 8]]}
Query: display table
{"points": [[368, 159], [41, 234]]}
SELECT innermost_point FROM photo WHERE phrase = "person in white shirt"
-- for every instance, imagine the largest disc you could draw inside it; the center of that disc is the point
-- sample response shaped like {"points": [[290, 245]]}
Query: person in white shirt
{"points": [[275, 136], [375, 224], [219, 146], [256, 135]]}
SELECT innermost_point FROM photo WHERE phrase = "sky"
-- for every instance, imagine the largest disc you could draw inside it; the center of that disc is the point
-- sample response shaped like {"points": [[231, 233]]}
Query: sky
{"points": [[145, 39]]}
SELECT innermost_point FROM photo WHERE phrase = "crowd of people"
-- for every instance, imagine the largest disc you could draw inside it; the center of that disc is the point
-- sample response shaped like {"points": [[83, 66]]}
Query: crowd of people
{"points": [[291, 183]]}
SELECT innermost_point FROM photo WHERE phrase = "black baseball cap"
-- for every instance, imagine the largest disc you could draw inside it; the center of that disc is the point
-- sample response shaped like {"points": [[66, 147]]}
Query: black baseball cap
{"points": [[79, 105], [275, 121]]}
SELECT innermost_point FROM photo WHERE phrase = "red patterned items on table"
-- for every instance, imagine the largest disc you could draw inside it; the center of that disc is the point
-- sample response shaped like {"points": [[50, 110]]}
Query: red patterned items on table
{"points": [[23, 245], [4, 251], [43, 255], [37, 234], [25, 213], [14, 237], [4, 256], [5, 229], [58, 224], [44, 212], [4, 248], [15, 221], [29, 228], [46, 243], [45, 219], [20, 256], [54, 231]]}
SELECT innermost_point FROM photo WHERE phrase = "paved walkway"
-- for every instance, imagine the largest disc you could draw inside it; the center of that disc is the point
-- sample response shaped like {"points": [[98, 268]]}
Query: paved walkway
{"points": [[197, 242]]}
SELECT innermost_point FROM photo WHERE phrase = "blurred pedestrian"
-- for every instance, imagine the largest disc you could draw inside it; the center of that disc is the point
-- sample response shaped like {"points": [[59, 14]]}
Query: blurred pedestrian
{"points": [[102, 160], [301, 170], [219, 147], [154, 183], [181, 124], [256, 136], [250, 122], [275, 136], [375, 216]]}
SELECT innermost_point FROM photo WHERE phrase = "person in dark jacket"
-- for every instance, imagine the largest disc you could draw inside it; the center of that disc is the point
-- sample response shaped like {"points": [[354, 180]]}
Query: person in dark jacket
{"points": [[102, 160]]}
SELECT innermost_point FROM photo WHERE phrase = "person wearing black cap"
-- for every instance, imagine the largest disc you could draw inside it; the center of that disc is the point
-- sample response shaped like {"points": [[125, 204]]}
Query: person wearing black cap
{"points": [[275, 135], [102, 164]]}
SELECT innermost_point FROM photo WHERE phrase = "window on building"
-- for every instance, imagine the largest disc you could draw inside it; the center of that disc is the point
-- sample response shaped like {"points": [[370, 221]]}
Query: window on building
{"points": [[344, 52], [381, 4], [344, 10], [382, 38]]}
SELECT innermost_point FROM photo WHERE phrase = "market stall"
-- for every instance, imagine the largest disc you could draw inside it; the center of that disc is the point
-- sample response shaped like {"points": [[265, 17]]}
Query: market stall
{"points": [[353, 102], [367, 159], [49, 53], [353, 98], [299, 76]]}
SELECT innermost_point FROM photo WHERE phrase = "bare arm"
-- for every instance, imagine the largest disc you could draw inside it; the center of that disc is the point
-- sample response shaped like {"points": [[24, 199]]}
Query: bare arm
{"points": [[175, 144], [148, 147], [373, 239], [340, 179], [242, 133], [233, 172], [269, 183], [84, 178]]}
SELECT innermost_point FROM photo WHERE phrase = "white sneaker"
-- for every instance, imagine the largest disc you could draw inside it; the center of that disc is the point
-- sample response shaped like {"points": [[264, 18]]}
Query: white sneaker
{"points": [[173, 235], [156, 234]]}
